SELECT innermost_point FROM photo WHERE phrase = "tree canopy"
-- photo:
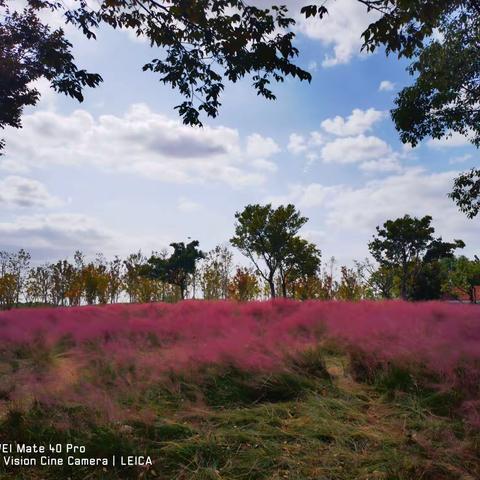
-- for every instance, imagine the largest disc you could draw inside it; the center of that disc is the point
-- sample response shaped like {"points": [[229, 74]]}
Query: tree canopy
{"points": [[199, 45], [441, 38], [466, 192], [406, 245], [30, 50], [269, 235], [176, 268]]}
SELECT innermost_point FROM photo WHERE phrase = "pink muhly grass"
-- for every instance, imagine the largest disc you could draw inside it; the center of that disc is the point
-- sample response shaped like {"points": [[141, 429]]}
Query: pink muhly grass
{"points": [[139, 344]]}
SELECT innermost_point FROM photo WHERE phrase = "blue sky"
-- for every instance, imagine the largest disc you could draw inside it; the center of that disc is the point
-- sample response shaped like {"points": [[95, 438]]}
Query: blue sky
{"points": [[120, 172]]}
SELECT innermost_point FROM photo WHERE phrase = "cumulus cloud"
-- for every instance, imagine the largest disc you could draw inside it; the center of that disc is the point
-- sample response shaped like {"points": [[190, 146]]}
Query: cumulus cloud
{"points": [[344, 141], [350, 211], [386, 86], [298, 144], [54, 233], [308, 196], [355, 149], [24, 192], [341, 30], [143, 143], [387, 164], [454, 139], [261, 147], [358, 122]]}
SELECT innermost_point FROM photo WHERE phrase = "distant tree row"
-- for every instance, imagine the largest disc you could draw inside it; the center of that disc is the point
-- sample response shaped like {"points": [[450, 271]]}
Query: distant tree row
{"points": [[408, 262]]}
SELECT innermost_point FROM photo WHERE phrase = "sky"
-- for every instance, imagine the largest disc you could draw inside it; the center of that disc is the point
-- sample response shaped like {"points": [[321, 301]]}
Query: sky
{"points": [[120, 172]]}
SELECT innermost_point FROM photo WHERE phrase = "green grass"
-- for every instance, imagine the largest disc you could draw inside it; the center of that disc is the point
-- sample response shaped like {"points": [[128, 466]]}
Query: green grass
{"points": [[312, 421]]}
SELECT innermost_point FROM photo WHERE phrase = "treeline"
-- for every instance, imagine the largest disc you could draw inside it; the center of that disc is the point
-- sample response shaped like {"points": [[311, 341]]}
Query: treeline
{"points": [[409, 262]]}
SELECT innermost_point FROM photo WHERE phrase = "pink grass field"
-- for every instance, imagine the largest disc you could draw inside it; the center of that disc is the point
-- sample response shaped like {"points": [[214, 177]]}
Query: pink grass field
{"points": [[147, 342]]}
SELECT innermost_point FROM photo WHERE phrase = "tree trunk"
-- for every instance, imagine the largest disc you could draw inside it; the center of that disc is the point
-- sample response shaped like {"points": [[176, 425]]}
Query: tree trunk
{"points": [[271, 284], [403, 285]]}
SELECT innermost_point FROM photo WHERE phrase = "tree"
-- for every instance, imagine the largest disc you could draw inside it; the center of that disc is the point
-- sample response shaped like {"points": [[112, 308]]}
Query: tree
{"points": [[18, 265], [461, 276], [441, 39], [243, 287], [134, 265], [64, 283], [400, 244], [95, 281], [39, 284], [202, 44], [177, 268], [302, 261], [466, 192], [264, 234], [8, 291], [215, 273], [115, 283], [379, 279], [405, 244], [30, 50], [350, 286]]}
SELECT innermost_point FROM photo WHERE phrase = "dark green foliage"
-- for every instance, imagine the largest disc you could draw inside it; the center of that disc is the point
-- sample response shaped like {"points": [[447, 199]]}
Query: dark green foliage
{"points": [[263, 233], [407, 382], [441, 36], [461, 275], [466, 192], [177, 268], [237, 387], [406, 246], [163, 431], [202, 44], [429, 282], [311, 362], [30, 50], [301, 261]]}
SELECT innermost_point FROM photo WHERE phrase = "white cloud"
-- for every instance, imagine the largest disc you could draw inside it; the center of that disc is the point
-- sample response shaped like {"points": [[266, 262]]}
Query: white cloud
{"points": [[140, 142], [54, 233], [386, 86], [186, 205], [24, 192], [454, 139], [341, 29], [263, 147], [11, 166], [359, 121], [307, 196], [264, 165], [460, 159], [298, 144], [355, 149], [414, 192], [355, 212], [59, 235], [351, 145], [388, 164], [48, 96]]}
